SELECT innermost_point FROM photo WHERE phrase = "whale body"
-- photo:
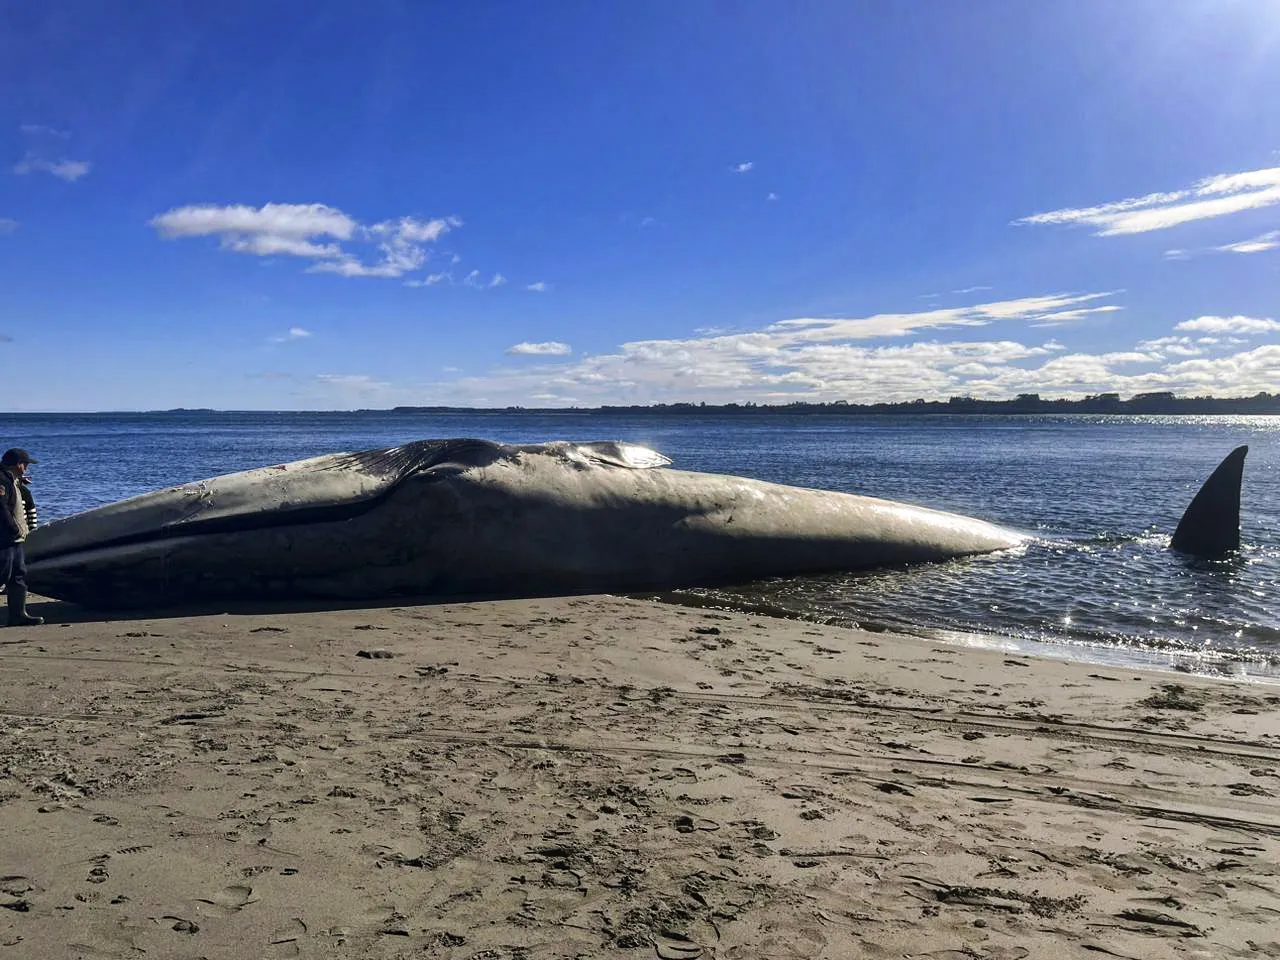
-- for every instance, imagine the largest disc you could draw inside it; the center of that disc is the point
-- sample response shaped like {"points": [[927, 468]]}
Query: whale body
{"points": [[451, 518]]}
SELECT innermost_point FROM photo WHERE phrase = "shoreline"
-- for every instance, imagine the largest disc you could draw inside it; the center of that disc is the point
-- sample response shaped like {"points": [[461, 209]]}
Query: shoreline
{"points": [[609, 776], [1221, 663]]}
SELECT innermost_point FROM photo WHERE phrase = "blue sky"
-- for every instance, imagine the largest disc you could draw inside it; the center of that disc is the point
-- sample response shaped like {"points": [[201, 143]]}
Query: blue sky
{"points": [[319, 205]]}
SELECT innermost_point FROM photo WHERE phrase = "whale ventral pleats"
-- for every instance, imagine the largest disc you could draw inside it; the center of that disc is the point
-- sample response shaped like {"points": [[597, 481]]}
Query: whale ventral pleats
{"points": [[1211, 526]]}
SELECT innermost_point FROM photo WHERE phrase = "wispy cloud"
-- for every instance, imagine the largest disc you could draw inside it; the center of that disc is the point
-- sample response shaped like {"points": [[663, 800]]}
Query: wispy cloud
{"points": [[1059, 318], [351, 386], [1242, 326], [7, 225], [44, 146], [294, 333], [772, 196], [1215, 196], [1268, 241], [476, 280], [68, 170], [551, 348], [744, 167], [540, 287], [40, 130], [430, 280], [976, 289], [310, 230], [1031, 309]]}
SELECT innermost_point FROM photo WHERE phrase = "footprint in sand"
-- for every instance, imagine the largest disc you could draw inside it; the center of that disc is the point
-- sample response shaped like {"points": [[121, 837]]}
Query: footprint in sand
{"points": [[687, 823], [232, 898], [670, 948], [98, 872], [13, 893], [288, 934]]}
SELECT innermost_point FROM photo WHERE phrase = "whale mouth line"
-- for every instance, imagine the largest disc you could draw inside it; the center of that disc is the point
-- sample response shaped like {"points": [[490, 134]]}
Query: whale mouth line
{"points": [[329, 513], [393, 466]]}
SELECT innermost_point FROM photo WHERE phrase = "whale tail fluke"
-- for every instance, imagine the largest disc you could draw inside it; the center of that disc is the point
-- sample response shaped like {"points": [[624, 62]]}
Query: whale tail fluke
{"points": [[1211, 526]]}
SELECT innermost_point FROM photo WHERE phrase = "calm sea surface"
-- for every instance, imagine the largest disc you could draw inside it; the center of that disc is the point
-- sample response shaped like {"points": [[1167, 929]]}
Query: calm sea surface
{"points": [[1100, 494]]}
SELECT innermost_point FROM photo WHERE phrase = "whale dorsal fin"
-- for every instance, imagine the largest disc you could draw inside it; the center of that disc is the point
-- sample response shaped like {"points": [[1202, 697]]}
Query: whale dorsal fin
{"points": [[1211, 526]]}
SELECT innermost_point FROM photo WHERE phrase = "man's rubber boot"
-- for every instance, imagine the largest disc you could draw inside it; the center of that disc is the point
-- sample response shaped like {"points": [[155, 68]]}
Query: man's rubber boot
{"points": [[18, 616]]}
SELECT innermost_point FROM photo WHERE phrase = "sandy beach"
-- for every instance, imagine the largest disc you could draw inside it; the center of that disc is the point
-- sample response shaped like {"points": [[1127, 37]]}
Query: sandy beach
{"points": [[600, 777]]}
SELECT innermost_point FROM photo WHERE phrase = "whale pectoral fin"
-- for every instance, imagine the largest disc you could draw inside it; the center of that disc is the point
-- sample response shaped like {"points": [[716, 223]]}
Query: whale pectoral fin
{"points": [[1211, 526]]}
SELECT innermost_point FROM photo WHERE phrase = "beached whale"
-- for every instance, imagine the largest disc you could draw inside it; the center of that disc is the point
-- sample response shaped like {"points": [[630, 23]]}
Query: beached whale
{"points": [[472, 517]]}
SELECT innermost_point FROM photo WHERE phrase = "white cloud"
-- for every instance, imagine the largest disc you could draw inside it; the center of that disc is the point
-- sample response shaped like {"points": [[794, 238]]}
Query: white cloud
{"points": [[294, 221], [1238, 325], [806, 358], [1215, 196], [295, 333], [409, 230], [539, 287], [1177, 255], [298, 229], [551, 348], [498, 280], [976, 289], [865, 359], [7, 225], [68, 170], [744, 167], [401, 243], [772, 196], [1268, 241], [1172, 346]]}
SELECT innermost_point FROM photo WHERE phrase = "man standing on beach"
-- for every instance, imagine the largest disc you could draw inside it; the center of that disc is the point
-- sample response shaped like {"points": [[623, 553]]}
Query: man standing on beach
{"points": [[17, 511]]}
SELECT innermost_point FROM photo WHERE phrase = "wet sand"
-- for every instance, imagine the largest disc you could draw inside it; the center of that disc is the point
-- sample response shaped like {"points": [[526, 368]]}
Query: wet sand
{"points": [[604, 777]]}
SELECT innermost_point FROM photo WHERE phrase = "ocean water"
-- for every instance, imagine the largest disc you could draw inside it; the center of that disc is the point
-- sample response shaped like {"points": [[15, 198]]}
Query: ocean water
{"points": [[1100, 495]]}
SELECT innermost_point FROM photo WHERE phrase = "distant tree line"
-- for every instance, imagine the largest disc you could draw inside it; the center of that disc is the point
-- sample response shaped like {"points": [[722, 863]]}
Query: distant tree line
{"points": [[1024, 403]]}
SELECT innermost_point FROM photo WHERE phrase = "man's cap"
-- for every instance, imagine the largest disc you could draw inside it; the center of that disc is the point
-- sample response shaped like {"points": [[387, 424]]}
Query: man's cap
{"points": [[15, 456]]}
